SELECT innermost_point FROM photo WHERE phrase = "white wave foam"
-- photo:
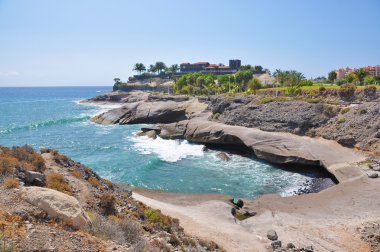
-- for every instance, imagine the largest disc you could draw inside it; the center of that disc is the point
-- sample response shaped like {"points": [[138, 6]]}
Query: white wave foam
{"points": [[98, 108], [167, 150]]}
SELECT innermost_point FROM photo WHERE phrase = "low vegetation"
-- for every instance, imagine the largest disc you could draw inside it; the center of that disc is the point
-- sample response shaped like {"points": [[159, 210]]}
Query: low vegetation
{"points": [[11, 183], [24, 156], [58, 182]]}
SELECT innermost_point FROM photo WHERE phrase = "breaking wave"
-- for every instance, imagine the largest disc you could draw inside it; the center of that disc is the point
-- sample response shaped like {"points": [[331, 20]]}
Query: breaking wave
{"points": [[38, 125]]}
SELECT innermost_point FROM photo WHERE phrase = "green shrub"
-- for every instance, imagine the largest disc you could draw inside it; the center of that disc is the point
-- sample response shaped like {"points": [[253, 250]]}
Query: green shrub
{"points": [[157, 218], [344, 110], [311, 132], [57, 182], [11, 183], [342, 120], [107, 204], [322, 89], [328, 110], [340, 82], [363, 111], [347, 91], [370, 91], [292, 91], [7, 164], [305, 83]]}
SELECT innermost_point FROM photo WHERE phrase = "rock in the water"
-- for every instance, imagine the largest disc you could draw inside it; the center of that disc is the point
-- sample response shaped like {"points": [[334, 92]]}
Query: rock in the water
{"points": [[140, 133], [151, 134], [373, 175], [276, 244], [57, 205], [272, 235], [223, 156]]}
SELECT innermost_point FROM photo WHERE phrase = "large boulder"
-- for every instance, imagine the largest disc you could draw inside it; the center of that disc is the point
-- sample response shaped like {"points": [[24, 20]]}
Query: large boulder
{"points": [[57, 205]]}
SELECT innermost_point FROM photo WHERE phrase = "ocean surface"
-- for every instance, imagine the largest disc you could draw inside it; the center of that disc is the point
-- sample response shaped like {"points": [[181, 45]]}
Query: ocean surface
{"points": [[52, 117]]}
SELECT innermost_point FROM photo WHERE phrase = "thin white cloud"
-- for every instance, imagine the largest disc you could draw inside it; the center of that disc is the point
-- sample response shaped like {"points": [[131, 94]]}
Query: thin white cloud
{"points": [[10, 73]]}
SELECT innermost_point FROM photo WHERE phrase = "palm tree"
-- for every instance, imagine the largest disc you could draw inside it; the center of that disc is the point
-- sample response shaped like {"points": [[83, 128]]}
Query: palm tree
{"points": [[174, 68], [160, 66], [139, 67], [152, 69], [361, 73]]}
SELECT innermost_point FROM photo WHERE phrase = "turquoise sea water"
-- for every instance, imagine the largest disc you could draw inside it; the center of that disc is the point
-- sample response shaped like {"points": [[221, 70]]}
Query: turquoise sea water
{"points": [[52, 117]]}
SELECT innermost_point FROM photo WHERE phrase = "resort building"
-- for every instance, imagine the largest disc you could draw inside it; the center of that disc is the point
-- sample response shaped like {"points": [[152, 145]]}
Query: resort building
{"points": [[343, 72], [206, 67], [194, 67], [373, 70]]}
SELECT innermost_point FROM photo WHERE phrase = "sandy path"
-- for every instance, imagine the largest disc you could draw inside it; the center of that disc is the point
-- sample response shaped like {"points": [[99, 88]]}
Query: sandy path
{"points": [[210, 220]]}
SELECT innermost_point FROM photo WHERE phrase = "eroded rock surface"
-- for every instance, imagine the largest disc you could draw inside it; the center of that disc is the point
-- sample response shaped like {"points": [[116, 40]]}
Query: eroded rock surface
{"points": [[57, 205]]}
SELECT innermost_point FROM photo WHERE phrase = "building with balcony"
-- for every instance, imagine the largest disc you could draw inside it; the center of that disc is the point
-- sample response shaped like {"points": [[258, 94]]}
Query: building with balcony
{"points": [[206, 67], [194, 67], [343, 72]]}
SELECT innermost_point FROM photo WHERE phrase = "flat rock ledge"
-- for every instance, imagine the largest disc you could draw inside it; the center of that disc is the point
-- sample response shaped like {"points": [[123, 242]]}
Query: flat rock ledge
{"points": [[275, 147], [57, 205]]}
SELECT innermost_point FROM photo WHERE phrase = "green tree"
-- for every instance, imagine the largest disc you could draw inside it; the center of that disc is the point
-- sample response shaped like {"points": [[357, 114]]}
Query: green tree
{"points": [[258, 68], [351, 78], [242, 78], [226, 82], [160, 66], [174, 68], [245, 67], [254, 84], [280, 76], [139, 67], [369, 80], [116, 80], [152, 69], [361, 74], [201, 81], [332, 76]]}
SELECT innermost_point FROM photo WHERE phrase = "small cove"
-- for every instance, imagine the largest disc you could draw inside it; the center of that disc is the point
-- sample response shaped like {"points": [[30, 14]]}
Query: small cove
{"points": [[52, 117]]}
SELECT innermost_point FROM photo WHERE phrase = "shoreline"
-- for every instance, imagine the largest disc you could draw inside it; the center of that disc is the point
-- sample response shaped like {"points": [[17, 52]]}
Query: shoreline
{"points": [[300, 219], [327, 220]]}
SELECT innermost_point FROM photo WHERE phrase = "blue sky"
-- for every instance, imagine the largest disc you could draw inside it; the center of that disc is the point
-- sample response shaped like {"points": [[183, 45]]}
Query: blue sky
{"points": [[89, 42]]}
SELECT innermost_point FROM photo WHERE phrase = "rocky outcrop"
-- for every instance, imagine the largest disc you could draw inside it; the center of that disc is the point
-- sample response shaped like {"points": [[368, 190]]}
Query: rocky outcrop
{"points": [[223, 156], [120, 97], [358, 127], [236, 122], [57, 205], [279, 116], [152, 112]]}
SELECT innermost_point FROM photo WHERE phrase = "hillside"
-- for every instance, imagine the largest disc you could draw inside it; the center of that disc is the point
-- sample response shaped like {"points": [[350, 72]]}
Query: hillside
{"points": [[49, 202]]}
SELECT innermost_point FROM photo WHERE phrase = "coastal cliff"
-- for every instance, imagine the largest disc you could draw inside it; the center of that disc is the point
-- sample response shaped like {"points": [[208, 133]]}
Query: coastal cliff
{"points": [[278, 131], [340, 137], [49, 202]]}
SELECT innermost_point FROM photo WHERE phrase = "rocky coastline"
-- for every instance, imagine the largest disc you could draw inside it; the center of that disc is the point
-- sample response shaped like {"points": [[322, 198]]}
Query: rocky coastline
{"points": [[277, 139], [295, 132]]}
